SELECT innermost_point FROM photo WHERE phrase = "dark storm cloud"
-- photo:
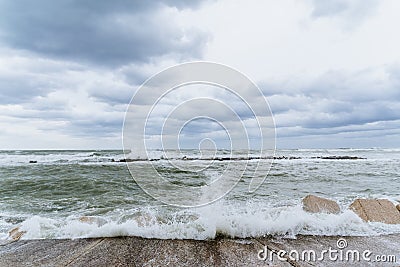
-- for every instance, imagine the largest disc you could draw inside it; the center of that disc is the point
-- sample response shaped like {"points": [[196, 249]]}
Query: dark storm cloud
{"points": [[108, 33]]}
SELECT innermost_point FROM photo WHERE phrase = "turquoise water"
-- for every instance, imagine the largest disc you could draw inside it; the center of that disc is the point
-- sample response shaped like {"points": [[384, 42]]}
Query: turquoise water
{"points": [[47, 199]]}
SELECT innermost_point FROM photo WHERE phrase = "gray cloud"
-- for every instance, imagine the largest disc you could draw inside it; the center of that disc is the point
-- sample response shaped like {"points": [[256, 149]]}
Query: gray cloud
{"points": [[16, 89], [99, 32], [71, 121], [329, 8], [361, 114], [362, 86], [112, 94], [336, 102], [69, 68], [356, 8], [365, 130], [93, 128], [380, 83]]}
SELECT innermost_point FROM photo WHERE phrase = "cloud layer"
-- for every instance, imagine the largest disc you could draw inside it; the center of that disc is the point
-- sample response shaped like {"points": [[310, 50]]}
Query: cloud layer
{"points": [[68, 69], [99, 32]]}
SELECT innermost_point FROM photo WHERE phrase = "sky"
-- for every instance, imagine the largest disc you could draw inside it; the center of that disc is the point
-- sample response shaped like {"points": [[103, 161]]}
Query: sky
{"points": [[330, 70]]}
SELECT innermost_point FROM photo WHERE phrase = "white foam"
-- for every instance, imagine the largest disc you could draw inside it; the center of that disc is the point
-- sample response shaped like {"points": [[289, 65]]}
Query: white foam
{"points": [[252, 220], [13, 158], [40, 227]]}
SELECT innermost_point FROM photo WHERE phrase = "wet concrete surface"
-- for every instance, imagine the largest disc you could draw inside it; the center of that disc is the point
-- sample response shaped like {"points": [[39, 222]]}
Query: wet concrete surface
{"points": [[136, 251]]}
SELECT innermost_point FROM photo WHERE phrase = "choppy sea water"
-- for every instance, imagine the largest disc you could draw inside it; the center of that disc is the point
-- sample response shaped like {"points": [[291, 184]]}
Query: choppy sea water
{"points": [[48, 199]]}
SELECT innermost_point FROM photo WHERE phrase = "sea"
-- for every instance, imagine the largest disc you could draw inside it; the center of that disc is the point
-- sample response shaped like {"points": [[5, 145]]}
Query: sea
{"points": [[55, 194]]}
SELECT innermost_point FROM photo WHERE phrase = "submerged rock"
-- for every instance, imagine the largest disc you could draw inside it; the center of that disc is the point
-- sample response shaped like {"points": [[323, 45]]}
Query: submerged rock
{"points": [[93, 220], [316, 204], [131, 160], [337, 157], [144, 220], [16, 233], [376, 210]]}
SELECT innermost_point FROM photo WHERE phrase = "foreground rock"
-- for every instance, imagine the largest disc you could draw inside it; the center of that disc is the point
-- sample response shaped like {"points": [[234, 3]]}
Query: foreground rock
{"points": [[136, 251], [131, 251], [16, 234], [316, 204], [376, 210]]}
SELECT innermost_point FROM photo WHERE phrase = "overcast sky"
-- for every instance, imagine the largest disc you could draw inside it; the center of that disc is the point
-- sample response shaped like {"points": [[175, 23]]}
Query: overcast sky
{"points": [[330, 70]]}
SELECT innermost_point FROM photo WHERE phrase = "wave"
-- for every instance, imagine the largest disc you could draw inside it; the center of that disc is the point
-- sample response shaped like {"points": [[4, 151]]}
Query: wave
{"points": [[23, 157], [16, 158], [48, 201], [204, 223]]}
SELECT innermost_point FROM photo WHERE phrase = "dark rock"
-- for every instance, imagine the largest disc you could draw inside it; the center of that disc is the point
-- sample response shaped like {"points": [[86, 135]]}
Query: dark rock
{"points": [[130, 160], [33, 161], [340, 157]]}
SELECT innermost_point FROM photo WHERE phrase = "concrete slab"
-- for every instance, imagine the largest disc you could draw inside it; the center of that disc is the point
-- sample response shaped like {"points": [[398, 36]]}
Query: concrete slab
{"points": [[136, 251], [130, 251], [44, 252]]}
